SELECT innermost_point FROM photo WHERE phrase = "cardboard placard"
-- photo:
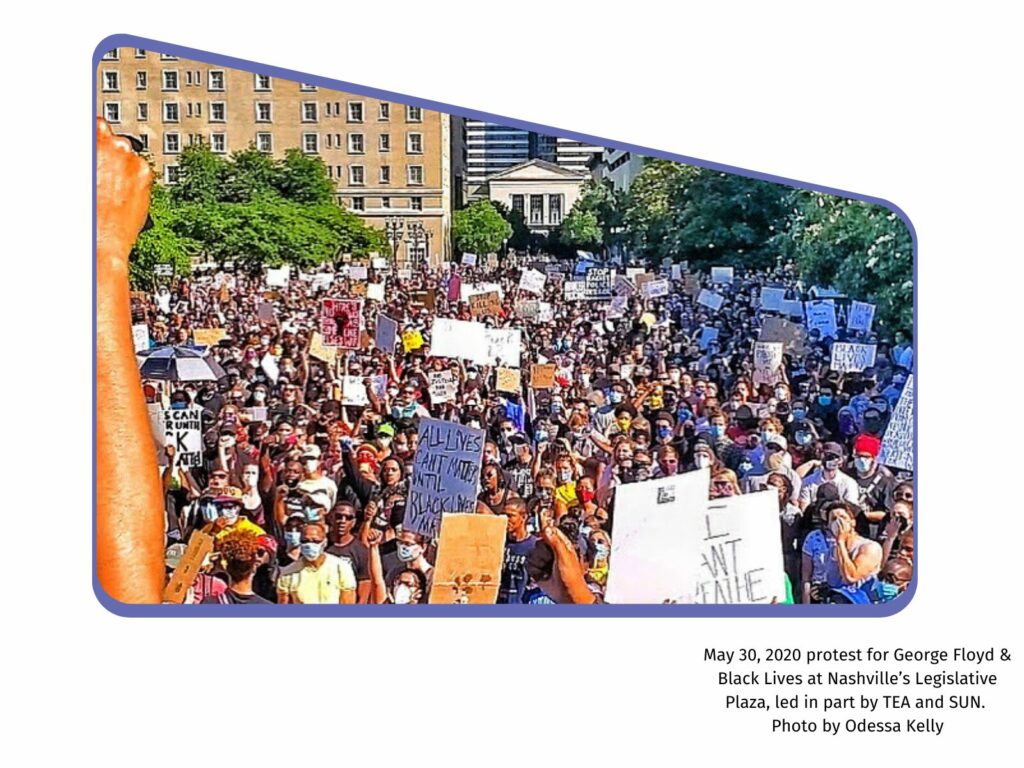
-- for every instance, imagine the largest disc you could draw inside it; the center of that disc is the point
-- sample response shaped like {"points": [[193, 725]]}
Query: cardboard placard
{"points": [[265, 312], [278, 278], [707, 335], [421, 299], [821, 316], [183, 429], [598, 284], [485, 304], [443, 385], [691, 285], [768, 362], [375, 291], [654, 289], [208, 337], [542, 376], [387, 334], [710, 299], [140, 337], [476, 342], [721, 275], [847, 357], [574, 290], [772, 298], [509, 380], [470, 554], [898, 441], [200, 545], [321, 352], [860, 317], [445, 474], [379, 264], [792, 335], [532, 281], [469, 259], [339, 322], [412, 339], [358, 272]]}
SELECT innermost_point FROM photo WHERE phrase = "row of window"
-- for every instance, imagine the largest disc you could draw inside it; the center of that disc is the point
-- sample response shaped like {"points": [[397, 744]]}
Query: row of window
{"points": [[537, 208], [359, 203]]}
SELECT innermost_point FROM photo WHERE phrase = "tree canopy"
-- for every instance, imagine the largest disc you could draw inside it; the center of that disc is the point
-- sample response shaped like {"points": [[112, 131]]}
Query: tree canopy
{"points": [[479, 228]]}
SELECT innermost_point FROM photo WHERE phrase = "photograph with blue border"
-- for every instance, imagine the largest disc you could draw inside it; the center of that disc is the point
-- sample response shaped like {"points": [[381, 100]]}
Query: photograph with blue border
{"points": [[355, 350]]}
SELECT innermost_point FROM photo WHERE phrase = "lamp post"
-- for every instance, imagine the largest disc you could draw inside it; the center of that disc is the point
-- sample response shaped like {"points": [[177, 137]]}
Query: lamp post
{"points": [[419, 237], [393, 229]]}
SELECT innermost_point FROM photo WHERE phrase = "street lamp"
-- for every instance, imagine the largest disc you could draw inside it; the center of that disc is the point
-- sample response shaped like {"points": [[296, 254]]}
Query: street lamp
{"points": [[393, 229], [419, 237]]}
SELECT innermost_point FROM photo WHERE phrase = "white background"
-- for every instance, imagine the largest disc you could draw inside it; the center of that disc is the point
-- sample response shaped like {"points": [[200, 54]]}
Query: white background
{"points": [[919, 108]]}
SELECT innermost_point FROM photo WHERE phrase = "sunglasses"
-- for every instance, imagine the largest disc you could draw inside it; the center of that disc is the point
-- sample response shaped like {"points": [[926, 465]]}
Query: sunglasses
{"points": [[345, 517]]}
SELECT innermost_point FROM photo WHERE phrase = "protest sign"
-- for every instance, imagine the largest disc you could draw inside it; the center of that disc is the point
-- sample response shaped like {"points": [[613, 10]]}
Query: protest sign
{"points": [[528, 308], [792, 335], [469, 290], [443, 386], [574, 290], [623, 287], [322, 281], [642, 280], [375, 291], [647, 563], [823, 293], [278, 278], [454, 288], [412, 339], [656, 288], [265, 312], [357, 289], [721, 274], [848, 357], [504, 345], [140, 337], [691, 285], [470, 554], [339, 322], [509, 380], [208, 337], [546, 313], [732, 552], [707, 335], [257, 413], [542, 376], [200, 546], [270, 367], [860, 316], [768, 362], [163, 270], [710, 299], [898, 441], [821, 316], [476, 342], [358, 272], [598, 283], [469, 259], [445, 474], [183, 429], [421, 299], [632, 272], [491, 261], [677, 272], [792, 308], [405, 274], [387, 334], [772, 298], [485, 304], [532, 281], [379, 264], [617, 308], [353, 391], [323, 353]]}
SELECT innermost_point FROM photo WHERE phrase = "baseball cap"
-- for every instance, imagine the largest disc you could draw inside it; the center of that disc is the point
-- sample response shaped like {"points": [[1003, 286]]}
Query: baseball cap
{"points": [[311, 451], [386, 429], [778, 440], [867, 444], [834, 448]]}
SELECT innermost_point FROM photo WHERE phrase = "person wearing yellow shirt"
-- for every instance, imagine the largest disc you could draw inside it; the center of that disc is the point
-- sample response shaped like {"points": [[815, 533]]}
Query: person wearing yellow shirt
{"points": [[221, 509], [317, 577]]}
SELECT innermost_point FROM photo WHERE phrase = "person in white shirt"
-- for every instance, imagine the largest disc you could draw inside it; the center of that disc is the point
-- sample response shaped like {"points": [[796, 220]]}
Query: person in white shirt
{"points": [[829, 472]]}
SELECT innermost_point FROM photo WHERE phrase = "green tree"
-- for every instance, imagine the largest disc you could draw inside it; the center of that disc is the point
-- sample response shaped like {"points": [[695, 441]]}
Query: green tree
{"points": [[248, 174], [581, 228], [520, 238], [200, 175], [479, 228], [303, 178], [160, 244]]}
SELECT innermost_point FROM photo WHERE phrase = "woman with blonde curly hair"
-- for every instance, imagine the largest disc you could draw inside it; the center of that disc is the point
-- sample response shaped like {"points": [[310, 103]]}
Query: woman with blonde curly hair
{"points": [[242, 553]]}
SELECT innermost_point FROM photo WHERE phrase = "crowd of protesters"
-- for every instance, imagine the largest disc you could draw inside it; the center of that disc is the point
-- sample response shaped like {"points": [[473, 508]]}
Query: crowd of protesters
{"points": [[305, 496]]}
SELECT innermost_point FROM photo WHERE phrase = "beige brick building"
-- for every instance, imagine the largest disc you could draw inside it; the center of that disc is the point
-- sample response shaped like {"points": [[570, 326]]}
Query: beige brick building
{"points": [[389, 160]]}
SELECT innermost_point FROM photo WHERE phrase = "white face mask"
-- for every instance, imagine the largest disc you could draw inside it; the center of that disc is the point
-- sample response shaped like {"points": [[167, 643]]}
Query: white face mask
{"points": [[311, 465], [403, 594], [250, 478], [702, 460], [259, 397], [408, 552]]}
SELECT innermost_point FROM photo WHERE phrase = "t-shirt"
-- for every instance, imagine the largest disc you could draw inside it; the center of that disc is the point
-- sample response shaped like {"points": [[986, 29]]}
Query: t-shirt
{"points": [[357, 553], [818, 546], [513, 570], [230, 597], [304, 583], [321, 485], [846, 485]]}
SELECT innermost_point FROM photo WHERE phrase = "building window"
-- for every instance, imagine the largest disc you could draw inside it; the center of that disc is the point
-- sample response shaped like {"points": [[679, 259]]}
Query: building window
{"points": [[188, 77], [140, 53], [188, 109], [262, 83], [217, 111], [356, 175], [385, 174], [265, 142], [113, 55], [307, 87], [112, 111], [198, 109], [170, 79], [414, 144], [384, 112], [309, 112], [355, 144], [536, 209], [337, 141], [311, 142], [172, 112], [358, 204], [385, 142], [416, 175], [328, 138], [172, 143], [216, 80], [263, 113], [416, 203], [554, 209], [413, 114], [141, 81], [330, 171], [111, 81], [144, 140], [219, 142], [355, 111], [170, 174], [167, 57], [385, 202], [518, 205], [143, 111], [339, 171]]}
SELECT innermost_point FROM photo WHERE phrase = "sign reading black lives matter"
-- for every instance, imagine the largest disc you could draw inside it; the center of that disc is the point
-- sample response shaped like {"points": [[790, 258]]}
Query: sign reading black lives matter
{"points": [[445, 474], [183, 429]]}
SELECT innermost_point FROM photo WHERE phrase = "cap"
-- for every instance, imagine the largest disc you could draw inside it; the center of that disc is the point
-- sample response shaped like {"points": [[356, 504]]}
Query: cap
{"points": [[229, 495], [173, 555], [311, 451], [386, 429], [778, 440], [835, 448], [867, 444]]}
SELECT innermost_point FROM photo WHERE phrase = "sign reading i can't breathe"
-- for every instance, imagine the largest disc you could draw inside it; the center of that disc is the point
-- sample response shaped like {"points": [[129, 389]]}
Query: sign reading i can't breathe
{"points": [[183, 430], [445, 474]]}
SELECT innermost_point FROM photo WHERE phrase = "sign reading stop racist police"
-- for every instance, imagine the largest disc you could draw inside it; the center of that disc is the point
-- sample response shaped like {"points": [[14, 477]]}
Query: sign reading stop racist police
{"points": [[183, 429]]}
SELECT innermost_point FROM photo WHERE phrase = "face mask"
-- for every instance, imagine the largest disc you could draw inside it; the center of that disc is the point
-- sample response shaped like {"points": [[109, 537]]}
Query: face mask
{"points": [[766, 435], [310, 550], [230, 514], [832, 465], [556, 407], [684, 414], [834, 528], [384, 441], [408, 552], [616, 397], [780, 394], [471, 375], [564, 476], [664, 432], [473, 423], [702, 460], [673, 376], [542, 437], [312, 513], [311, 465], [799, 414], [292, 539], [259, 397], [624, 424], [824, 400], [717, 430], [403, 594], [862, 464], [508, 433], [249, 480], [601, 551], [586, 496], [210, 512], [803, 438], [178, 406]]}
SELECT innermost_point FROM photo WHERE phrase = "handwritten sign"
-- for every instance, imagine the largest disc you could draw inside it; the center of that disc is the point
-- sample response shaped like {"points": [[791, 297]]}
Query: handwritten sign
{"points": [[646, 564], [509, 380], [848, 357], [380, 264], [721, 275], [710, 299], [468, 290], [677, 272], [421, 299], [375, 291], [598, 283], [183, 429], [443, 386], [412, 339], [470, 553], [821, 316], [485, 304], [445, 474], [898, 442], [732, 551], [532, 281], [321, 352], [140, 337], [860, 317], [265, 312], [772, 298], [339, 322], [278, 278], [387, 334], [545, 312], [208, 337], [353, 391], [528, 308], [358, 272], [707, 335], [792, 335], [469, 259], [574, 290], [476, 342], [656, 288], [768, 362], [542, 376]]}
